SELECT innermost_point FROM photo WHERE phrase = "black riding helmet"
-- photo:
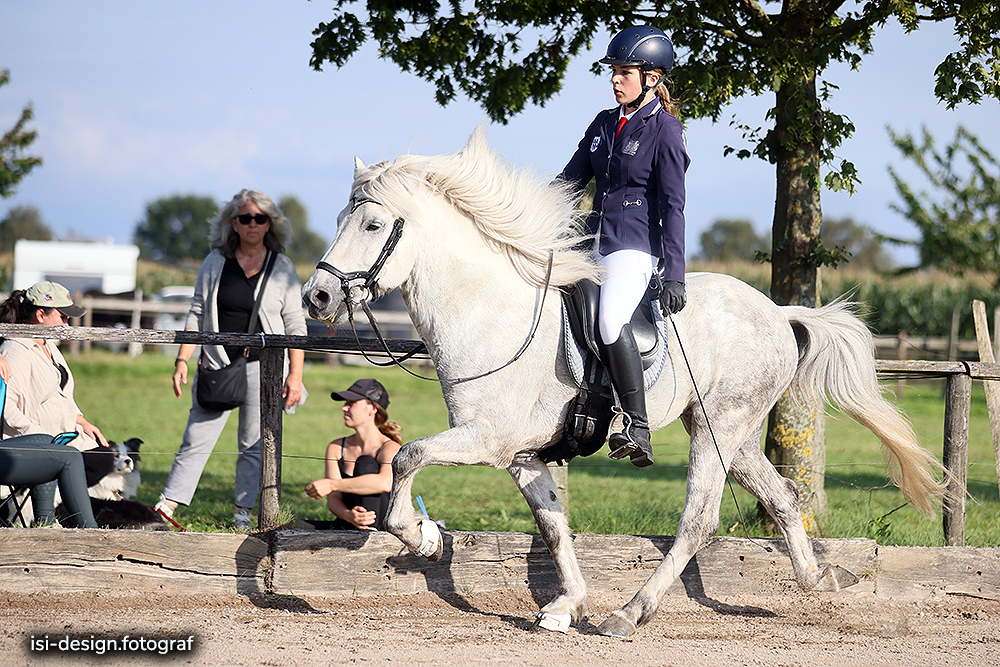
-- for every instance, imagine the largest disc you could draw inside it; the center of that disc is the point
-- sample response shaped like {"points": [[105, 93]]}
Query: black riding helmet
{"points": [[641, 46]]}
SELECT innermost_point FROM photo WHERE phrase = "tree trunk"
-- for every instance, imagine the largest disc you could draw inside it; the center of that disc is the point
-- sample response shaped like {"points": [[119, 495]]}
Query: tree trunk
{"points": [[796, 442]]}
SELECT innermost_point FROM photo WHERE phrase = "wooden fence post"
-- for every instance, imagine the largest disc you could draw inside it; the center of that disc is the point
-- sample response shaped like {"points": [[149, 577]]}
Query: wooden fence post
{"points": [[135, 349], [956, 314], [957, 407], [272, 360], [560, 475], [996, 328]]}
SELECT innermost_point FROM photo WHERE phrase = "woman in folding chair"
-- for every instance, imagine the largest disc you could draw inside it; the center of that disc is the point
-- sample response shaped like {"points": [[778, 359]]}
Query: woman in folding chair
{"points": [[40, 388], [31, 460]]}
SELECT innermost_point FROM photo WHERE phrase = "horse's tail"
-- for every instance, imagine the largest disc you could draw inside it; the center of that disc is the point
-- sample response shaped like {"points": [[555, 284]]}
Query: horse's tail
{"points": [[837, 360]]}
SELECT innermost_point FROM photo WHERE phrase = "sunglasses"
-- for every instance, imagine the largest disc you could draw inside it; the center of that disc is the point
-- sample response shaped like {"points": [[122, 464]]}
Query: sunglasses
{"points": [[260, 218]]}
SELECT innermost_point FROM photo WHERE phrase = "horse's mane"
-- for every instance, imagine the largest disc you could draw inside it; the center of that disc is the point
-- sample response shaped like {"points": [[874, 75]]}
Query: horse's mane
{"points": [[516, 211]]}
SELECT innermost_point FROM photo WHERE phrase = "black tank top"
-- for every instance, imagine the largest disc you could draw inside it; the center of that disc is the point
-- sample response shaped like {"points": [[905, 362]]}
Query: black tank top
{"points": [[365, 465]]}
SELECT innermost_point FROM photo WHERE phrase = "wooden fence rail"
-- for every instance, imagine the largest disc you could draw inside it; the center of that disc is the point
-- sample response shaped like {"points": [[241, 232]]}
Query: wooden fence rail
{"points": [[959, 376]]}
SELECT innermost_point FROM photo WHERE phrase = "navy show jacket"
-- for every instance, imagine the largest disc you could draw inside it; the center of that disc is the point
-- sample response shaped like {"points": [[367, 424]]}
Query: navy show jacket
{"points": [[639, 202]]}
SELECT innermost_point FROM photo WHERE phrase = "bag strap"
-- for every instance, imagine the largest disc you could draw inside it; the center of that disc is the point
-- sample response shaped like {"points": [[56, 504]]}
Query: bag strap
{"points": [[271, 258]]}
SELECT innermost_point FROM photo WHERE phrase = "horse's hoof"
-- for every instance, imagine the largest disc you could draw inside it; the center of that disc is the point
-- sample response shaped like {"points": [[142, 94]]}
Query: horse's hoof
{"points": [[616, 625], [834, 578], [431, 544], [551, 622]]}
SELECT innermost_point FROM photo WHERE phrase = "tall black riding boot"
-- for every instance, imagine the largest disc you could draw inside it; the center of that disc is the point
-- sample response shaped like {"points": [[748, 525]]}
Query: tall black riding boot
{"points": [[625, 367]]}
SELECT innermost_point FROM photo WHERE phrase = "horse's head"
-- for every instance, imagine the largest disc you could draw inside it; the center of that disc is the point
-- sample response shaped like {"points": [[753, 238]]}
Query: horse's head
{"points": [[367, 257]]}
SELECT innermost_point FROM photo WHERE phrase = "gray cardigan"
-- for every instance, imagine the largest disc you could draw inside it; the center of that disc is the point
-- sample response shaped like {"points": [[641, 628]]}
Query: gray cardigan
{"points": [[280, 310]]}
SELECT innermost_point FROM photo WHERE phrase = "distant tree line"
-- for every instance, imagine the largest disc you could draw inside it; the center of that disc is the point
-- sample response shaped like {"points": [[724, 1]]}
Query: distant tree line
{"points": [[736, 240]]}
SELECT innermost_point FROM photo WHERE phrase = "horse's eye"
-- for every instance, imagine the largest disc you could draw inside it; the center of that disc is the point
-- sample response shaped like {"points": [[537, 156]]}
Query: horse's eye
{"points": [[373, 226]]}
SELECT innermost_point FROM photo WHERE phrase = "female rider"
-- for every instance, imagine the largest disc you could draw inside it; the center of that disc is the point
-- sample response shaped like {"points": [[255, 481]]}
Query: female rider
{"points": [[636, 152]]}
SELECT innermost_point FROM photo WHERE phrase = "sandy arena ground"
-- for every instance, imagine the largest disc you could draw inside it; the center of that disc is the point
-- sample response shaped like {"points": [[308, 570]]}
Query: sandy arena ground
{"points": [[829, 629]]}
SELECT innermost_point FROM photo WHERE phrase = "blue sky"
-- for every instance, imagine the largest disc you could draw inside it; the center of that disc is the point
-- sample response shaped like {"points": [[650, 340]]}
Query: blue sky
{"points": [[135, 101]]}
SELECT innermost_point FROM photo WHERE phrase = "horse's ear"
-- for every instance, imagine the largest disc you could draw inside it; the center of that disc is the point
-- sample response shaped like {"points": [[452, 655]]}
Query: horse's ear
{"points": [[477, 139], [359, 166]]}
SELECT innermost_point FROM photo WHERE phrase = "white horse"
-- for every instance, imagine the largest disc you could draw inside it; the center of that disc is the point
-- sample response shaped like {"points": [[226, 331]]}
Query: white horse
{"points": [[468, 241]]}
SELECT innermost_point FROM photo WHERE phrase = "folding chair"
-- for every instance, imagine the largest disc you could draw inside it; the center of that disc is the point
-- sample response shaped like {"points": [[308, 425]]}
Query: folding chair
{"points": [[12, 507]]}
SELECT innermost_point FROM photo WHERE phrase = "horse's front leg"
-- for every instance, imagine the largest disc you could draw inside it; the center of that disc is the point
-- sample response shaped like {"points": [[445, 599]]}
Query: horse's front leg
{"points": [[454, 447], [538, 488]]}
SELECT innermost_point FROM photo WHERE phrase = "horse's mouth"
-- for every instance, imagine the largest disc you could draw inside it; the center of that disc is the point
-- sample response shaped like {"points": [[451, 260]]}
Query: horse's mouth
{"points": [[328, 313]]}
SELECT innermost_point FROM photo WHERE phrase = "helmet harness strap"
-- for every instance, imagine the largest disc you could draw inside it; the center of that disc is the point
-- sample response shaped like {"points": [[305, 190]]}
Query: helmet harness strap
{"points": [[637, 102]]}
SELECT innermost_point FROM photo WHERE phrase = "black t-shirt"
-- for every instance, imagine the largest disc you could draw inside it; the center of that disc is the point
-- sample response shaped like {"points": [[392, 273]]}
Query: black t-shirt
{"points": [[235, 303]]}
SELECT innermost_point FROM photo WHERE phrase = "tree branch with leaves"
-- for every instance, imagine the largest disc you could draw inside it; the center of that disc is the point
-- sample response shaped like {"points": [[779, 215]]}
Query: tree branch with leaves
{"points": [[505, 55], [959, 220], [15, 164]]}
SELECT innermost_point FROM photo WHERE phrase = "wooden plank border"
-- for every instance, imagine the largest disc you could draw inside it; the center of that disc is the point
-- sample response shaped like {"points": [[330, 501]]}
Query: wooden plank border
{"points": [[345, 563]]}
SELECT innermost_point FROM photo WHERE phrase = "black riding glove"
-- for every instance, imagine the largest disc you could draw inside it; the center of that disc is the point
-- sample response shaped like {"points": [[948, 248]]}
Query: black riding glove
{"points": [[673, 297]]}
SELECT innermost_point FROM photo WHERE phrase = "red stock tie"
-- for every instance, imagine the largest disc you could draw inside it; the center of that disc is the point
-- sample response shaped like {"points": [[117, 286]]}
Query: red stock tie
{"points": [[621, 124]]}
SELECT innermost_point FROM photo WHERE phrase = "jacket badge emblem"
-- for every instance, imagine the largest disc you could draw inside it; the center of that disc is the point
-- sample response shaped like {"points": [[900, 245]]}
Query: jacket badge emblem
{"points": [[631, 147], [594, 144]]}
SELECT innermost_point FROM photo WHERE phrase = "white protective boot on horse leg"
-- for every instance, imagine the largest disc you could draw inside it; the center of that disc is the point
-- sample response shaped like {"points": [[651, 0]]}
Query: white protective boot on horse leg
{"points": [[421, 537], [625, 367], [539, 490]]}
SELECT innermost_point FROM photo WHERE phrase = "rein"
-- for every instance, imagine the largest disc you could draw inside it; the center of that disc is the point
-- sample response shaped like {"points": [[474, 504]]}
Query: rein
{"points": [[370, 278]]}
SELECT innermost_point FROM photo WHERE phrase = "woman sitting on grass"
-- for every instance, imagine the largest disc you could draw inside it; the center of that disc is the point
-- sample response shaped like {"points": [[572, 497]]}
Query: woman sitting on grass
{"points": [[359, 467]]}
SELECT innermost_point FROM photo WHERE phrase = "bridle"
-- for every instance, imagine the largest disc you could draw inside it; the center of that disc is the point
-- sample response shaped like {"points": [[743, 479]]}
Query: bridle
{"points": [[369, 279]]}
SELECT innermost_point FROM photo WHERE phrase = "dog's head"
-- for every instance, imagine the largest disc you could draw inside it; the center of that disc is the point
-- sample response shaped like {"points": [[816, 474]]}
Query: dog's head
{"points": [[113, 472], [126, 455]]}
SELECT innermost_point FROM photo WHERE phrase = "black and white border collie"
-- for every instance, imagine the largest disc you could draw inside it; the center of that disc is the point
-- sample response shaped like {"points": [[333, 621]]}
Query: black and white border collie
{"points": [[112, 481]]}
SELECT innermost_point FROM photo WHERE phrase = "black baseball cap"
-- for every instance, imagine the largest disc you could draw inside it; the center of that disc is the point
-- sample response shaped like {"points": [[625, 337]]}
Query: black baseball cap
{"points": [[367, 388]]}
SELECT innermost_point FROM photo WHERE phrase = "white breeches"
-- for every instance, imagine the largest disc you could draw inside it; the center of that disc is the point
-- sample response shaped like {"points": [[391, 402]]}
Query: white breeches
{"points": [[626, 275]]}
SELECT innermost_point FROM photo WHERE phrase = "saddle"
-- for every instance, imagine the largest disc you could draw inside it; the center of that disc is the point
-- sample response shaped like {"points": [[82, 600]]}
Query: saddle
{"points": [[589, 418], [582, 303]]}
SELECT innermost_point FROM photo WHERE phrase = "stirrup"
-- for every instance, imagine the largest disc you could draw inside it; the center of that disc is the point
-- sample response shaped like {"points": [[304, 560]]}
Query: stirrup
{"points": [[626, 444]]}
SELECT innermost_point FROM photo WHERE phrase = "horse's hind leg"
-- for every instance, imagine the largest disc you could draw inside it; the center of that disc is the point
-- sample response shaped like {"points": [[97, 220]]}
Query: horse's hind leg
{"points": [[699, 520], [756, 474], [535, 483]]}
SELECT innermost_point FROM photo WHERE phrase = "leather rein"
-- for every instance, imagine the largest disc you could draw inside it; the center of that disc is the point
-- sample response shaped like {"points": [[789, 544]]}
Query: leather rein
{"points": [[369, 279]]}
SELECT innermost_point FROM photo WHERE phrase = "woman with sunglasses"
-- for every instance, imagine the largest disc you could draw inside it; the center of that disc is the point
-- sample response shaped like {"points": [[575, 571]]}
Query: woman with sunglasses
{"points": [[39, 400], [248, 232]]}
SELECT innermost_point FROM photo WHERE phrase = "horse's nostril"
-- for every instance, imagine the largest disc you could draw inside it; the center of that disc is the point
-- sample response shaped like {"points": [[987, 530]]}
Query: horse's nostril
{"points": [[321, 297]]}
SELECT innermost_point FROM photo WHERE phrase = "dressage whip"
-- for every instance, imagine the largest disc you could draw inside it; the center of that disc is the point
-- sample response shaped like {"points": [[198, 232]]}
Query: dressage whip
{"points": [[711, 432]]}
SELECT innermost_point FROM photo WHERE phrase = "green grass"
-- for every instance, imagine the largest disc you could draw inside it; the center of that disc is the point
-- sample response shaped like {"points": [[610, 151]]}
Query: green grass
{"points": [[132, 398]]}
